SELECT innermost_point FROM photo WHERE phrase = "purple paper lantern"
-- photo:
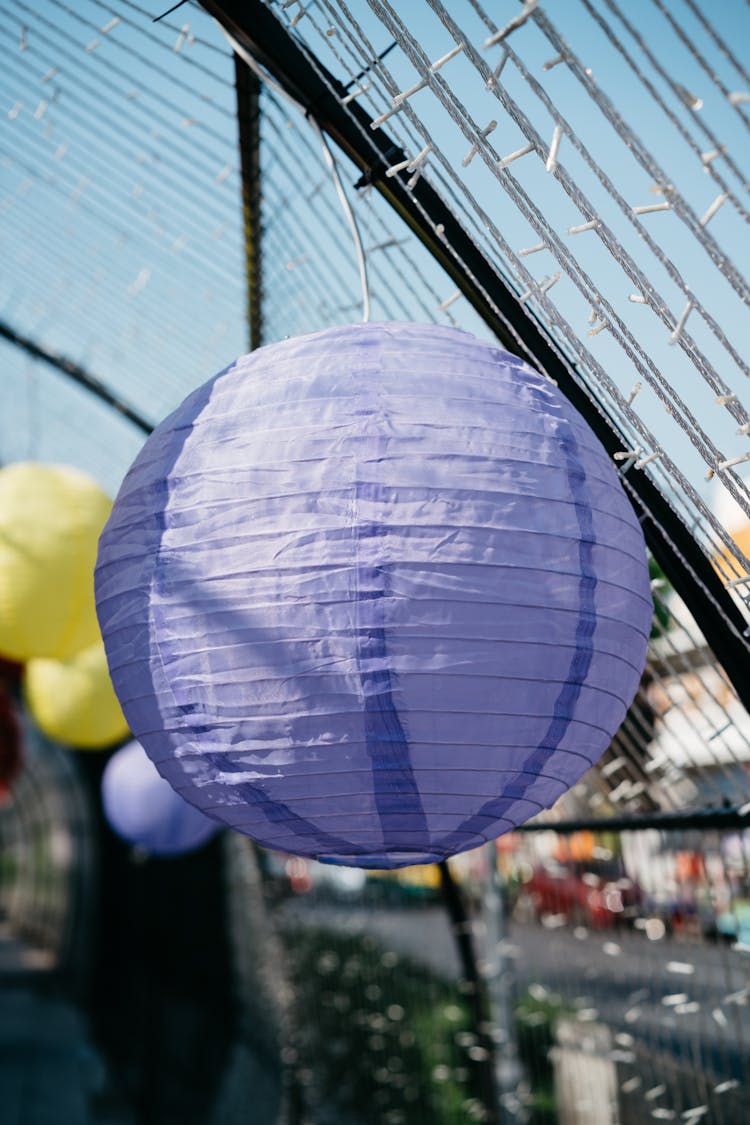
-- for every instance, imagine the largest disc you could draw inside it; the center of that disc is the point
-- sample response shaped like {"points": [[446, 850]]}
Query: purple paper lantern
{"points": [[374, 595], [143, 809]]}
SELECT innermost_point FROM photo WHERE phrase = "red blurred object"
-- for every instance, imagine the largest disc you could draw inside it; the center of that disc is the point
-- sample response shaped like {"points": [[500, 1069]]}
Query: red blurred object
{"points": [[11, 757], [298, 872], [596, 893], [690, 867]]}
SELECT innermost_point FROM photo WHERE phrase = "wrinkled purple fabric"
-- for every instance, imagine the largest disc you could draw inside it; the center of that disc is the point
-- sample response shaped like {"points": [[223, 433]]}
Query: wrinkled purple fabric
{"points": [[374, 595], [143, 809]]}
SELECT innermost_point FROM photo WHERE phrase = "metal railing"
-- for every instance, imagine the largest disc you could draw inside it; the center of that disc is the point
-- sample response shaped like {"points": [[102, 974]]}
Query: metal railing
{"points": [[46, 858]]}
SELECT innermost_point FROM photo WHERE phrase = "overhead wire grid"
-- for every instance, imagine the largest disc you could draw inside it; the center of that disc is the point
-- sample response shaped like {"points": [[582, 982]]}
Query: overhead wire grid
{"points": [[418, 111], [122, 252], [123, 235], [403, 98]]}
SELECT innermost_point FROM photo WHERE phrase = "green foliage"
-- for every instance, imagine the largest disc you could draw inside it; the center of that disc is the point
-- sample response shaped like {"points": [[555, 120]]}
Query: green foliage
{"points": [[381, 1039], [536, 1015]]}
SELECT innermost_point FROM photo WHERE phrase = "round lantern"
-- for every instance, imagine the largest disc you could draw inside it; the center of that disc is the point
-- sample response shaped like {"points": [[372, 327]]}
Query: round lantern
{"points": [[72, 701], [374, 595], [143, 809], [50, 520]]}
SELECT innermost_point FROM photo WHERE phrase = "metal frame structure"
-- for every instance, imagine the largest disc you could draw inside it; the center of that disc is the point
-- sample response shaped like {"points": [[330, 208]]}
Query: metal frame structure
{"points": [[729, 818], [672, 544], [76, 373], [248, 122]]}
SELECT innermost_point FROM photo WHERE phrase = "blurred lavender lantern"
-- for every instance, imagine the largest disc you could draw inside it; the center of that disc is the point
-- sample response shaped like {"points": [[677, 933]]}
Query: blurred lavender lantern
{"points": [[374, 595], [144, 810]]}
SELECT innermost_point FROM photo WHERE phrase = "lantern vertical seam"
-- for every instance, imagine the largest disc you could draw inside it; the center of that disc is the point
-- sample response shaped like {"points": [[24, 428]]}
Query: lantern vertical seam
{"points": [[385, 738], [580, 662]]}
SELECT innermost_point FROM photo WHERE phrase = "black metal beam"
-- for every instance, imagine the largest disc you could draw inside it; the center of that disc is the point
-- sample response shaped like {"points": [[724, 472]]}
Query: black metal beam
{"points": [[477, 995], [735, 817], [422, 209], [76, 373], [248, 119]]}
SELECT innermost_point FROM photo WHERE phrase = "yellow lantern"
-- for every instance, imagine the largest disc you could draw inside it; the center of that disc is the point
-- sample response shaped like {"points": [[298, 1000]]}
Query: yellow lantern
{"points": [[73, 701], [50, 520]]}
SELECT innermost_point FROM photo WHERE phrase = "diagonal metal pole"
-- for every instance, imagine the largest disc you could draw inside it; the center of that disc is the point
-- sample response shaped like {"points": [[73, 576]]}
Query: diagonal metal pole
{"points": [[688, 569]]}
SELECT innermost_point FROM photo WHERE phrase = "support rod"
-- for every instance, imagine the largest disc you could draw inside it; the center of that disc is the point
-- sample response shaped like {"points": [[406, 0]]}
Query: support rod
{"points": [[735, 817], [476, 991], [248, 119]]}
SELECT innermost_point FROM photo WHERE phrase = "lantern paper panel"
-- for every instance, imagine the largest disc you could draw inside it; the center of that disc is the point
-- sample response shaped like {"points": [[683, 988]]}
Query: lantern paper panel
{"points": [[144, 810], [50, 520], [73, 701], [374, 595]]}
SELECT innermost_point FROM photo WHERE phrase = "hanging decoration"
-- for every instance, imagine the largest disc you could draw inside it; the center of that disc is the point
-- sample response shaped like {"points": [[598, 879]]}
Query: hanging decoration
{"points": [[144, 810], [73, 701], [50, 520], [374, 595]]}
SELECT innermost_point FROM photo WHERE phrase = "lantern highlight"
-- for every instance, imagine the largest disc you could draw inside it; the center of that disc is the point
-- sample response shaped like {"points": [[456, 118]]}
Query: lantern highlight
{"points": [[374, 595], [50, 520], [73, 701], [143, 809]]}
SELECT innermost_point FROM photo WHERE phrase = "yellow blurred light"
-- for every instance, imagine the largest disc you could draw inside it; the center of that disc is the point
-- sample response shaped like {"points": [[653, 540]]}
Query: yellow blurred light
{"points": [[73, 701], [50, 520]]}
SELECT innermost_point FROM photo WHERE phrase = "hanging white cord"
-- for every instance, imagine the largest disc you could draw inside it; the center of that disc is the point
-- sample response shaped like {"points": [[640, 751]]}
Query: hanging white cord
{"points": [[330, 160], [359, 249]]}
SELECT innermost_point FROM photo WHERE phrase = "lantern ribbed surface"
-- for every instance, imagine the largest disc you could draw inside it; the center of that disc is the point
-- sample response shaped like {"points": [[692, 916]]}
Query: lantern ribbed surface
{"points": [[374, 595]]}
